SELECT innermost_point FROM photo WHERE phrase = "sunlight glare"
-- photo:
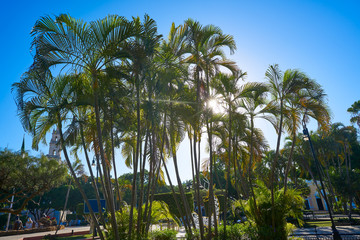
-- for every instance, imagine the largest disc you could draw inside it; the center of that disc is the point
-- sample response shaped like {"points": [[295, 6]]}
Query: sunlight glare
{"points": [[215, 106]]}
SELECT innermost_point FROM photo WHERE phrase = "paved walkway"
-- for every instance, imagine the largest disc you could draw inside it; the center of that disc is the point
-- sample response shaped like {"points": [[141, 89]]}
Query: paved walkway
{"points": [[327, 230], [181, 233], [65, 230]]}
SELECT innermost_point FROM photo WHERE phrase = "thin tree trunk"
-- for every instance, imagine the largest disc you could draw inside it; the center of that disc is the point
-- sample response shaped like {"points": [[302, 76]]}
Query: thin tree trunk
{"points": [[151, 177], [250, 165], [197, 186], [273, 167], [228, 171], [142, 173], [153, 189], [62, 214], [138, 138], [94, 183], [107, 181], [288, 166], [63, 147], [211, 190], [114, 164]]}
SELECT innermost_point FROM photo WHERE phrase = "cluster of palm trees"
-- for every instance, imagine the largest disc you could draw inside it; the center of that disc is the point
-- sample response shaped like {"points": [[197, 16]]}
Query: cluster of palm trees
{"points": [[116, 83]]}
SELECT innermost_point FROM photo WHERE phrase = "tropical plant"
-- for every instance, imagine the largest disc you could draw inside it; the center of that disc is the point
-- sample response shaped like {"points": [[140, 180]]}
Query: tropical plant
{"points": [[287, 204]]}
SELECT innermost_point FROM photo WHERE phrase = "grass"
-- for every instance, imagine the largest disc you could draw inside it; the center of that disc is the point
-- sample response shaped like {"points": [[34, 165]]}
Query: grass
{"points": [[311, 224]]}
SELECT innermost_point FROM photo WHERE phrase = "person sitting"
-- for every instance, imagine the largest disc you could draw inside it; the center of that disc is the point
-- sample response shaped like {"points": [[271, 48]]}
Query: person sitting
{"points": [[29, 223], [18, 225]]}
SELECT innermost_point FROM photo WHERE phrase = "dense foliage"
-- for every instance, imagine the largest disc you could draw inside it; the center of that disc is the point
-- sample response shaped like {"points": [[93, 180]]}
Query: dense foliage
{"points": [[115, 83], [26, 177]]}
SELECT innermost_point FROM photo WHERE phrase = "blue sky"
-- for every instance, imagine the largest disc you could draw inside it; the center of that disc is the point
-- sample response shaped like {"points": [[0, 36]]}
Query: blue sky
{"points": [[321, 38]]}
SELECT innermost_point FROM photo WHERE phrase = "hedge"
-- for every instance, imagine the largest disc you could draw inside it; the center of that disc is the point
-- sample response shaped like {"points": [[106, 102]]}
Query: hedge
{"points": [[221, 198], [169, 200]]}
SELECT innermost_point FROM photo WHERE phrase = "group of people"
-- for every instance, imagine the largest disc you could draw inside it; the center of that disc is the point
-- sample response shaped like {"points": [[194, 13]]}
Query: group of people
{"points": [[18, 225]]}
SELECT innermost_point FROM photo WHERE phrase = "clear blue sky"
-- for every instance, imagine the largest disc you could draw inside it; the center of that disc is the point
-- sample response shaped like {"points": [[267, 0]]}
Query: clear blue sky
{"points": [[321, 38]]}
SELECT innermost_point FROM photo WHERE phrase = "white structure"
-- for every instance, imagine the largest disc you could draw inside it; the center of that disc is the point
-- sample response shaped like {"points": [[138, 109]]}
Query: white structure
{"points": [[54, 147], [315, 200]]}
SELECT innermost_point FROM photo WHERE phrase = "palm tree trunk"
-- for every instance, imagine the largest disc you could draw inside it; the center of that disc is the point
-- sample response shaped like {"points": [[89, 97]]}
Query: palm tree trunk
{"points": [[152, 194], [197, 187], [150, 181], [228, 170], [94, 183], [211, 190], [142, 173], [114, 163], [186, 223], [273, 167], [63, 147], [62, 214], [288, 166], [138, 139], [250, 164], [107, 180]]}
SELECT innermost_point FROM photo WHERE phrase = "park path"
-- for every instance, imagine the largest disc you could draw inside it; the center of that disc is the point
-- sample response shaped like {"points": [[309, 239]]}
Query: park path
{"points": [[65, 230], [181, 233], [326, 230]]}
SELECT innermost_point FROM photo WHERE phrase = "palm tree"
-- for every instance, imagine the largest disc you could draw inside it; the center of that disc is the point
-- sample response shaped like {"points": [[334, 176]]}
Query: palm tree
{"points": [[354, 110], [310, 100], [204, 44], [82, 47], [281, 87], [42, 104], [253, 102]]}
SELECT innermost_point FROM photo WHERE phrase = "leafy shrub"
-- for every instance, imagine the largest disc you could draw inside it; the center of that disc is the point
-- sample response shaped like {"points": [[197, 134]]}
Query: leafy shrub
{"points": [[159, 212], [286, 205], [163, 235], [237, 231], [195, 235], [123, 221]]}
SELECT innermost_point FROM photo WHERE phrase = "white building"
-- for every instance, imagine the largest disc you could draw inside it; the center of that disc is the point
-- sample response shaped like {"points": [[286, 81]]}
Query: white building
{"points": [[54, 146]]}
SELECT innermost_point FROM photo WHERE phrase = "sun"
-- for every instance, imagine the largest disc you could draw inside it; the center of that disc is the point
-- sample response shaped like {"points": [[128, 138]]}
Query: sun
{"points": [[215, 106]]}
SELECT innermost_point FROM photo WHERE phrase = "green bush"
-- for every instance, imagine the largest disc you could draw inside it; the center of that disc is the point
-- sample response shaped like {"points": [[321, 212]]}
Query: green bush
{"points": [[195, 235], [238, 231], [163, 235], [233, 232], [286, 205], [122, 220]]}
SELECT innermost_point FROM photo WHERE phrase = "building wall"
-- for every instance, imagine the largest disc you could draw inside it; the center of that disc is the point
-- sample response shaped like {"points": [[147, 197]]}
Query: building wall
{"points": [[314, 195]]}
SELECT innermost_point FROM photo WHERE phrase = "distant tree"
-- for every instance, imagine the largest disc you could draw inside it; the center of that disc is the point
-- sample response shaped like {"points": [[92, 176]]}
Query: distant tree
{"points": [[355, 112], [26, 177], [54, 198]]}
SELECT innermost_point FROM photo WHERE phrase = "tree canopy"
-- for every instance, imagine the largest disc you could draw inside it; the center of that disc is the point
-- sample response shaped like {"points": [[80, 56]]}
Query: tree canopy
{"points": [[26, 177]]}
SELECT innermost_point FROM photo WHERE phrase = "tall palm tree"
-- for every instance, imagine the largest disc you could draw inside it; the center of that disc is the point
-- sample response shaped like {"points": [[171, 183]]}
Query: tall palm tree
{"points": [[205, 44], [312, 101], [82, 47], [281, 87], [253, 102], [43, 104], [227, 87]]}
